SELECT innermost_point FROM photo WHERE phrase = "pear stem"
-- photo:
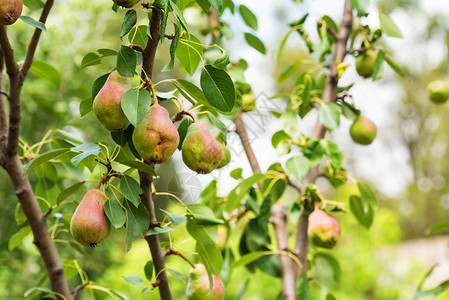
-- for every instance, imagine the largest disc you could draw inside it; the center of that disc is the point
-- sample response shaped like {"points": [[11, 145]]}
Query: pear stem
{"points": [[176, 252]]}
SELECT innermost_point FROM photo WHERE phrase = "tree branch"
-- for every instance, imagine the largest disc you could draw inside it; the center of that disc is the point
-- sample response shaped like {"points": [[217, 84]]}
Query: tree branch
{"points": [[4, 124], [32, 46], [243, 135], [146, 180], [329, 95]]}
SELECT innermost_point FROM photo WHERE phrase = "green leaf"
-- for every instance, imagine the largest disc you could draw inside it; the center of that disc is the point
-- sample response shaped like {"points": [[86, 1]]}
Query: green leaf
{"points": [[165, 14], [47, 72], [39, 289], [148, 269], [204, 4], [130, 188], [136, 104], [69, 191], [157, 230], [302, 287], [187, 89], [115, 212], [176, 274], [326, 269], [211, 256], [367, 193], [139, 166], [134, 279], [86, 150], [360, 6], [329, 115], [174, 218], [19, 215], [138, 35], [98, 84], [17, 237], [33, 4], [378, 70], [189, 52], [85, 106], [126, 61], [173, 46], [426, 275], [182, 130], [122, 137], [222, 61], [388, 26], [298, 166], [218, 5], [90, 59], [42, 158], [282, 45], [442, 287], [218, 88], [255, 42], [363, 212], [129, 22], [248, 17], [178, 13], [440, 227], [139, 217], [247, 259], [281, 142], [107, 52], [203, 215], [394, 66], [237, 194], [236, 173], [34, 23]]}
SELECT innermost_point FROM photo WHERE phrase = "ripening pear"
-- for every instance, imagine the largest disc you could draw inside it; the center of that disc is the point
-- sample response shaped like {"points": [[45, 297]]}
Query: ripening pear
{"points": [[324, 231], [226, 158], [107, 104], [198, 285], [438, 91], [363, 131], [10, 11], [364, 63], [89, 225], [201, 152], [156, 137], [126, 3]]}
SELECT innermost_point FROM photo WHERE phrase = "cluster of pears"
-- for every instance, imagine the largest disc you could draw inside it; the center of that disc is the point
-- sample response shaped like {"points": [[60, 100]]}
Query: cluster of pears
{"points": [[438, 91], [324, 231], [198, 285], [363, 131], [10, 11], [156, 137], [89, 225]]}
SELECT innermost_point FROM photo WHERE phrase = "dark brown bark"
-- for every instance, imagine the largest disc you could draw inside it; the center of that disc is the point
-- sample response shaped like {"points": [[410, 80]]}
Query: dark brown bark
{"points": [[146, 180]]}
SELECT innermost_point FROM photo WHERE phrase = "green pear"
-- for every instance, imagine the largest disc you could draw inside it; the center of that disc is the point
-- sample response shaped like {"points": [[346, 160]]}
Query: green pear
{"points": [[248, 102], [107, 104], [89, 225], [198, 285], [226, 158], [363, 131], [156, 137], [364, 63], [126, 3], [201, 152], [324, 231], [10, 11], [438, 91]]}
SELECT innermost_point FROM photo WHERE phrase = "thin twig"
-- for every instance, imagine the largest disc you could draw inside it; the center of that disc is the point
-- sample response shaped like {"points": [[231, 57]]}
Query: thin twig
{"points": [[176, 252], [79, 288]]}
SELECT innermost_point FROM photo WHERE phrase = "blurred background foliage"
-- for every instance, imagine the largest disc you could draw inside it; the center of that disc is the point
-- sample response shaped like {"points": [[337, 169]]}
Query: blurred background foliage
{"points": [[366, 257]]}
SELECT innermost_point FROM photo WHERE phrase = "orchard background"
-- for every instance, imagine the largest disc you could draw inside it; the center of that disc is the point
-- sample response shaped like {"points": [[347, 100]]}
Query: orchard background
{"points": [[393, 247]]}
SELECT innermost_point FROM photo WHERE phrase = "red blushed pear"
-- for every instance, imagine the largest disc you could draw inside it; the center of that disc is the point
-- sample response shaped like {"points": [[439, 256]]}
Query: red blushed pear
{"points": [[107, 104], [324, 231], [201, 152], [363, 131], [156, 137], [198, 285], [89, 225]]}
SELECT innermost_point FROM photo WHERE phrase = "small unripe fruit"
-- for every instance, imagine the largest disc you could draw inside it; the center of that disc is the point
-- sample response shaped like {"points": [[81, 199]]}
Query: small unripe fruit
{"points": [[226, 158], [324, 231], [364, 63], [438, 91], [248, 102], [363, 131], [89, 225], [198, 285]]}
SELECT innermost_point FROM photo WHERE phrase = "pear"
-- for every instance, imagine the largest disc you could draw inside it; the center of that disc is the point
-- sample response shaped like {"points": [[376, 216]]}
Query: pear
{"points": [[198, 285], [363, 131], [438, 91], [364, 63], [324, 231], [226, 158], [10, 11], [107, 104], [89, 225], [156, 137], [201, 152], [126, 3]]}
